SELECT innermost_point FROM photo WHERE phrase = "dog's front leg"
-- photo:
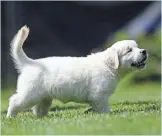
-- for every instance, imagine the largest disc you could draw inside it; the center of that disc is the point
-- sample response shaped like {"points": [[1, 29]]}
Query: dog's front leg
{"points": [[99, 105]]}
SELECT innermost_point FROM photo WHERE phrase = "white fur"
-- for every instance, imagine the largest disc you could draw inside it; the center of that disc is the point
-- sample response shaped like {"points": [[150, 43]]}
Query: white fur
{"points": [[90, 79]]}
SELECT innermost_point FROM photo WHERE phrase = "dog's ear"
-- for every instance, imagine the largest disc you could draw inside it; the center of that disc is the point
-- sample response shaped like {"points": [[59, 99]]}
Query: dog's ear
{"points": [[112, 59]]}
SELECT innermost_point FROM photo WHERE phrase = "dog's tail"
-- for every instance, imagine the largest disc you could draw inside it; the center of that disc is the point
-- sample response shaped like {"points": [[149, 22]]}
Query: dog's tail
{"points": [[19, 57]]}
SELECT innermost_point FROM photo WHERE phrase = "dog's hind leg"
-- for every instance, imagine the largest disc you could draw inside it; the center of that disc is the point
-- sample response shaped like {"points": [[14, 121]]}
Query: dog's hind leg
{"points": [[22, 101], [42, 108]]}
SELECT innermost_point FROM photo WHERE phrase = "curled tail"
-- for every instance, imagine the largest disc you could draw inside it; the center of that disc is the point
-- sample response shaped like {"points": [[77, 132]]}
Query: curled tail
{"points": [[19, 57]]}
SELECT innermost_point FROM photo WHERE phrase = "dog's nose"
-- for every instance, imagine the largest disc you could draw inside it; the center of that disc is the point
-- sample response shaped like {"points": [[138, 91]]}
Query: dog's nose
{"points": [[143, 51]]}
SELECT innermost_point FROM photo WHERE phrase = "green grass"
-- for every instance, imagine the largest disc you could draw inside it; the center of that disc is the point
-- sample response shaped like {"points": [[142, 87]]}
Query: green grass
{"points": [[135, 109]]}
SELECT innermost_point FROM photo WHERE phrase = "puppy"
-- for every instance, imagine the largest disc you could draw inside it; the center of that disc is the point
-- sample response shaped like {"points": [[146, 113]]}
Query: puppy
{"points": [[90, 79]]}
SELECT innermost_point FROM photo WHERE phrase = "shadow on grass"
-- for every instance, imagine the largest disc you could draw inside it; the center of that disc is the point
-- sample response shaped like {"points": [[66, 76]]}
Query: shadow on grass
{"points": [[57, 108], [126, 106], [122, 106]]}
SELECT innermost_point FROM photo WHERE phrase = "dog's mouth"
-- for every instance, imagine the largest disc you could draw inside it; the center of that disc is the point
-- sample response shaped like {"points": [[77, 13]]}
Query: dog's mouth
{"points": [[141, 64]]}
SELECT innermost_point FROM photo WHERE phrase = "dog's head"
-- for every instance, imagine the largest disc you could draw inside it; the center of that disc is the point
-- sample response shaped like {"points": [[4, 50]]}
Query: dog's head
{"points": [[127, 54]]}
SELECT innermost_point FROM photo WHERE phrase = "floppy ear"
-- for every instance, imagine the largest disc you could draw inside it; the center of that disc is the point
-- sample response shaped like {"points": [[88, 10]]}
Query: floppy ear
{"points": [[112, 59]]}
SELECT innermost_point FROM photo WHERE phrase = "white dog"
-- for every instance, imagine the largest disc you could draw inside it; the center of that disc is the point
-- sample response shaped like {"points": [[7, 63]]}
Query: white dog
{"points": [[90, 79]]}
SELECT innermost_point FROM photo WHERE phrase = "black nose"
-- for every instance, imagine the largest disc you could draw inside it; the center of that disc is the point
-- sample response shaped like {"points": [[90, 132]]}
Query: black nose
{"points": [[143, 51]]}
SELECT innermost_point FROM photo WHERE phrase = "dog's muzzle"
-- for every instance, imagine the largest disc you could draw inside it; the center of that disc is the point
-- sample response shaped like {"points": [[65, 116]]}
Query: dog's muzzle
{"points": [[141, 64]]}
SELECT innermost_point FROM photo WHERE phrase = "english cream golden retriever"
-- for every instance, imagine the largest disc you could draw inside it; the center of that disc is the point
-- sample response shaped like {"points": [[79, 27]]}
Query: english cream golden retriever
{"points": [[90, 79]]}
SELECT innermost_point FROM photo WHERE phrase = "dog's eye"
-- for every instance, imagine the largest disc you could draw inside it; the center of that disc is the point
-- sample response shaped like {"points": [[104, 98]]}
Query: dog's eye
{"points": [[129, 50]]}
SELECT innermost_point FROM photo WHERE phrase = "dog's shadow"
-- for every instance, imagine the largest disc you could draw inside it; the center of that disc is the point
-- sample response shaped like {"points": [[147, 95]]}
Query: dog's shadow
{"points": [[145, 106], [57, 108]]}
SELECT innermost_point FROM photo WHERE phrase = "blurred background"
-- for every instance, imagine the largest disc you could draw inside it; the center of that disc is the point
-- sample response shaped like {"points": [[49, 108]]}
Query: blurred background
{"points": [[79, 28]]}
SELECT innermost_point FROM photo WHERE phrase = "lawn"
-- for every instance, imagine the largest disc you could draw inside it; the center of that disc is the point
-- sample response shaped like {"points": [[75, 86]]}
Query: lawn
{"points": [[135, 109]]}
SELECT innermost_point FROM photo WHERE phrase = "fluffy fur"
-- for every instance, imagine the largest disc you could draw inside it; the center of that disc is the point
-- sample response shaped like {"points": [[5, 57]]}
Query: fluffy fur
{"points": [[90, 79]]}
